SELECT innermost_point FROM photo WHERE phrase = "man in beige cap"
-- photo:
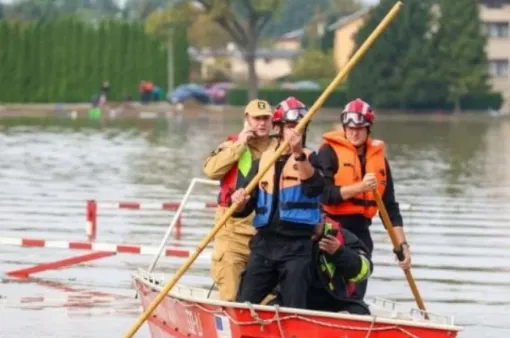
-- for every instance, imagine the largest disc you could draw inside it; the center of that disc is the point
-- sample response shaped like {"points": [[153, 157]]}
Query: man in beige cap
{"points": [[230, 163]]}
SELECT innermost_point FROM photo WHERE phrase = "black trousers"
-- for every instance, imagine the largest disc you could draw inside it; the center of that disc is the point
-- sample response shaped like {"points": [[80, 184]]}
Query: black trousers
{"points": [[277, 260]]}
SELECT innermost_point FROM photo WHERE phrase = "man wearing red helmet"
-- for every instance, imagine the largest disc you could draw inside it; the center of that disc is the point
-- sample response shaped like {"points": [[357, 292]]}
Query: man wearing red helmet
{"points": [[287, 212], [354, 165], [230, 163]]}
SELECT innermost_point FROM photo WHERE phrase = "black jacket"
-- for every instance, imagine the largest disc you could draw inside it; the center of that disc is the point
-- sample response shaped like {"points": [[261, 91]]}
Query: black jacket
{"points": [[348, 265]]}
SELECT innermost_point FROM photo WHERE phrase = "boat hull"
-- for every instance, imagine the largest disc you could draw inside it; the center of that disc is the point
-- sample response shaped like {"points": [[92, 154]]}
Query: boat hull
{"points": [[178, 317]]}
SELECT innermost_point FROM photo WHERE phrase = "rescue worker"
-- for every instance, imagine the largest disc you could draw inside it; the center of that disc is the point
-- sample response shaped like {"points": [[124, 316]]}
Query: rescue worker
{"points": [[287, 211], [341, 263], [230, 163], [354, 166]]}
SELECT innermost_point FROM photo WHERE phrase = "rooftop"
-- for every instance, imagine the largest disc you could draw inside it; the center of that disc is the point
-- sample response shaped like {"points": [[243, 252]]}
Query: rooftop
{"points": [[344, 20]]}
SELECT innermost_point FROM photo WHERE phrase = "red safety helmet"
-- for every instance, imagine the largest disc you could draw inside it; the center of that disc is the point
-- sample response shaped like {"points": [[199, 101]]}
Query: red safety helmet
{"points": [[289, 110], [357, 113]]}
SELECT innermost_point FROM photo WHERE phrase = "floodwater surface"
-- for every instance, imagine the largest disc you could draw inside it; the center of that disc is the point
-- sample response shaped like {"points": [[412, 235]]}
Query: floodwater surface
{"points": [[452, 179]]}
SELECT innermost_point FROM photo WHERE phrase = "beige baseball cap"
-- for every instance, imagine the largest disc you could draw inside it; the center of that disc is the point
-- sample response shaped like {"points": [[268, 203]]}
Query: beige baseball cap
{"points": [[258, 108]]}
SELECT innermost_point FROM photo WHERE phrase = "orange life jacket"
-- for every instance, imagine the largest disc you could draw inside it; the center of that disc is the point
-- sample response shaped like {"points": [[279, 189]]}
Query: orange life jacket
{"points": [[235, 178], [349, 172]]}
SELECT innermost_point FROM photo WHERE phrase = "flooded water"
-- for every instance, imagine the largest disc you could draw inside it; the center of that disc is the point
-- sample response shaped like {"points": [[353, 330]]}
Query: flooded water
{"points": [[453, 179]]}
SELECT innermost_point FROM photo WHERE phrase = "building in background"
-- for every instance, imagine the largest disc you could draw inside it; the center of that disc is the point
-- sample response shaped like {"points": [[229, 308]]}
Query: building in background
{"points": [[496, 16], [345, 28], [291, 40], [270, 64]]}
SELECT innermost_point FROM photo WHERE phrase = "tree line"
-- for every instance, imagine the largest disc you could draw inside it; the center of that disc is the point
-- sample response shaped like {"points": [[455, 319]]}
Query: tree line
{"points": [[66, 60], [431, 56]]}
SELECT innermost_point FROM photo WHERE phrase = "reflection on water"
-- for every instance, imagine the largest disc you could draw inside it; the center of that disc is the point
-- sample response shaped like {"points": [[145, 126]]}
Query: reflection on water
{"points": [[452, 177]]}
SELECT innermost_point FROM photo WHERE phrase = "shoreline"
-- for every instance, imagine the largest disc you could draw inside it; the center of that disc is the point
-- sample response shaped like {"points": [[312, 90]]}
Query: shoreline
{"points": [[135, 110]]}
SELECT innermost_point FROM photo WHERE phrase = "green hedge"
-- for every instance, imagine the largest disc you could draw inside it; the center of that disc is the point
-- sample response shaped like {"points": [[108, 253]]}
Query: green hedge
{"points": [[67, 60], [482, 101], [239, 97]]}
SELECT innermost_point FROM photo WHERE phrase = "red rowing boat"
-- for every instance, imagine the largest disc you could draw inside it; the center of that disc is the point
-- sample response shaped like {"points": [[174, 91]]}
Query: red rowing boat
{"points": [[191, 313]]}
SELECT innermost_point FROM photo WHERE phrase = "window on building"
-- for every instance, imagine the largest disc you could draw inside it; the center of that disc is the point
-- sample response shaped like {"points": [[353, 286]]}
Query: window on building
{"points": [[497, 29], [498, 68]]}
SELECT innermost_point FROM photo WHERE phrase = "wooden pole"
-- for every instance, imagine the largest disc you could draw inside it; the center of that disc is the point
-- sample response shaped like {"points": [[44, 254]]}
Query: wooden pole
{"points": [[398, 251]]}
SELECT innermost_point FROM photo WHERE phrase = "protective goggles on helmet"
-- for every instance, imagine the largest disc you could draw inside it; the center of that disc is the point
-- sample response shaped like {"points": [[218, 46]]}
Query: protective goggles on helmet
{"points": [[354, 119], [294, 115]]}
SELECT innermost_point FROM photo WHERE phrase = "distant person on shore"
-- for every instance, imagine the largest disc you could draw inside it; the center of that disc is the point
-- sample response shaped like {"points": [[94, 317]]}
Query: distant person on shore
{"points": [[145, 90], [99, 101], [104, 92], [157, 94]]}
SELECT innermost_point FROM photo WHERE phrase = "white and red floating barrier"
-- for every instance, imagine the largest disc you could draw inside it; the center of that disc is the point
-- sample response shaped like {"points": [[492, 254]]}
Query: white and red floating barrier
{"points": [[93, 206], [76, 245], [26, 272], [100, 250]]}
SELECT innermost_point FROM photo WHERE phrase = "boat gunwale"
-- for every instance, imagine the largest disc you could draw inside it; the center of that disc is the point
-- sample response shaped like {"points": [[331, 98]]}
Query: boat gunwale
{"points": [[287, 310]]}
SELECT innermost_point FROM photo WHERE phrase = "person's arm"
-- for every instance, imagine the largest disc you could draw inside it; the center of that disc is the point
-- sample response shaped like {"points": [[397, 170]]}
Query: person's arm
{"points": [[222, 159], [351, 190], [392, 207], [311, 176], [329, 165], [305, 168], [351, 260]]}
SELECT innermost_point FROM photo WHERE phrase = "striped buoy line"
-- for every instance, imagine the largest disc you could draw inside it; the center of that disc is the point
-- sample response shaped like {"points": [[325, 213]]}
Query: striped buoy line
{"points": [[118, 248], [173, 206], [92, 206], [170, 206]]}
